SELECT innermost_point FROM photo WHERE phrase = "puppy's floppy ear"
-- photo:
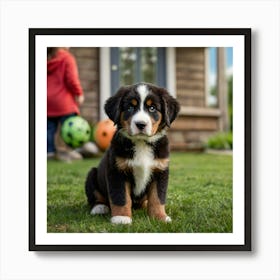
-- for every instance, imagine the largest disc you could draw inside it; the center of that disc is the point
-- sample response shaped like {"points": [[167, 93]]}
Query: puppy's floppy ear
{"points": [[170, 107], [113, 104]]}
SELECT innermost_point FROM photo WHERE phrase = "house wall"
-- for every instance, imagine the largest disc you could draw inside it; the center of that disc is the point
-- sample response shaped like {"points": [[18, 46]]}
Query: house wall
{"points": [[88, 66], [190, 76], [195, 123]]}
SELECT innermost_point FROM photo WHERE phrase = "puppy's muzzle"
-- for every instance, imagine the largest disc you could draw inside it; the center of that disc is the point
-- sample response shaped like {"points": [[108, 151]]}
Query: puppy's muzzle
{"points": [[141, 126]]}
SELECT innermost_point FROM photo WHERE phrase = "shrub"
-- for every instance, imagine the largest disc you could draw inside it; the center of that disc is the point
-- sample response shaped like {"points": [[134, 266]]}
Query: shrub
{"points": [[220, 141]]}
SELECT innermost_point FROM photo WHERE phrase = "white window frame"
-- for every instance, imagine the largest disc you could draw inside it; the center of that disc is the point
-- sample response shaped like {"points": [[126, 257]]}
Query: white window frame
{"points": [[105, 76]]}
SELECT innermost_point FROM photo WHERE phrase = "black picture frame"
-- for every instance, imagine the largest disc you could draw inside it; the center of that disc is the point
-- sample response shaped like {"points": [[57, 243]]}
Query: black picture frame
{"points": [[245, 33]]}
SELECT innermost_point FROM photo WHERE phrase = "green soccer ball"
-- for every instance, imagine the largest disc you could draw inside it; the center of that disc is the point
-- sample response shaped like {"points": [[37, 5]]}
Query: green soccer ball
{"points": [[75, 131]]}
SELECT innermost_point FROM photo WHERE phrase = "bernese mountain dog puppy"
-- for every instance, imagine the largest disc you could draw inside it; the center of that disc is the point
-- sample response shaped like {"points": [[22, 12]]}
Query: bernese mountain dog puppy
{"points": [[133, 172]]}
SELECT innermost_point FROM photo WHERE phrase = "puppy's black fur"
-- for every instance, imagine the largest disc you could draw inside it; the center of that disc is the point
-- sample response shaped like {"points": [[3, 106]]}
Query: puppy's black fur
{"points": [[117, 181]]}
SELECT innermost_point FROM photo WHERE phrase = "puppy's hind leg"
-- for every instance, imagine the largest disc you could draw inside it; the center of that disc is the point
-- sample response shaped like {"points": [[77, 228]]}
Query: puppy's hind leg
{"points": [[95, 199], [90, 186]]}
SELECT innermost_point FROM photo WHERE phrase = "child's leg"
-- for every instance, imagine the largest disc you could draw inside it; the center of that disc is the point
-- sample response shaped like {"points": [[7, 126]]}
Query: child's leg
{"points": [[51, 130]]}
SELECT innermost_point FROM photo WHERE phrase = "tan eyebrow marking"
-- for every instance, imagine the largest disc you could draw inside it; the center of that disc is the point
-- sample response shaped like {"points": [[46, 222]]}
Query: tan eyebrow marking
{"points": [[134, 102], [149, 102]]}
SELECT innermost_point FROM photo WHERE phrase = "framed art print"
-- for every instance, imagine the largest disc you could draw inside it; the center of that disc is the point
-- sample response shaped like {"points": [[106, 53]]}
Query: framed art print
{"points": [[207, 205]]}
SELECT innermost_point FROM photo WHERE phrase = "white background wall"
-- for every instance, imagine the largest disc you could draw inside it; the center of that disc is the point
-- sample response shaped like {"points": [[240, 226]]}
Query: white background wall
{"points": [[16, 262]]}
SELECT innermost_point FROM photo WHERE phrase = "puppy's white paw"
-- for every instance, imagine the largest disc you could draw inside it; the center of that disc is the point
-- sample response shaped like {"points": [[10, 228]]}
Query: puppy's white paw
{"points": [[168, 219], [100, 209], [121, 220]]}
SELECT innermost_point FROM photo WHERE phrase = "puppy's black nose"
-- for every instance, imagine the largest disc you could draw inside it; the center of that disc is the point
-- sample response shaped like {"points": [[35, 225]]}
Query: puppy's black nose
{"points": [[140, 125]]}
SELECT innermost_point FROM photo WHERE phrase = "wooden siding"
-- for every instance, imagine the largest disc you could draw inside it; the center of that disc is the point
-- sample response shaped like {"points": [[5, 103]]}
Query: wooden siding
{"points": [[190, 76], [196, 122], [193, 127], [88, 66]]}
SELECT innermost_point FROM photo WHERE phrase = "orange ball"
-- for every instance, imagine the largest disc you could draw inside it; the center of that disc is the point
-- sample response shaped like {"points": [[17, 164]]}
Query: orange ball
{"points": [[104, 132]]}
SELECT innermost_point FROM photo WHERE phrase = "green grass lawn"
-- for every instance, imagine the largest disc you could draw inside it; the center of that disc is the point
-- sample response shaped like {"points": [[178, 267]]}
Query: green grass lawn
{"points": [[199, 198]]}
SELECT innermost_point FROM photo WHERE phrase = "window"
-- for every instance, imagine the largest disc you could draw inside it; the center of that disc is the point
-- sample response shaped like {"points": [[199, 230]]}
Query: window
{"points": [[132, 65], [212, 94], [212, 70]]}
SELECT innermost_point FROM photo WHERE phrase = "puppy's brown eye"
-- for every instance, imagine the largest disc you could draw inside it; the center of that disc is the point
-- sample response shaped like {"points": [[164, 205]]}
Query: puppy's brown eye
{"points": [[152, 109]]}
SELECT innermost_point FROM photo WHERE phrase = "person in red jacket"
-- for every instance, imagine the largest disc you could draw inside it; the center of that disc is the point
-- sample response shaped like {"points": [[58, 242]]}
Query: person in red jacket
{"points": [[64, 92]]}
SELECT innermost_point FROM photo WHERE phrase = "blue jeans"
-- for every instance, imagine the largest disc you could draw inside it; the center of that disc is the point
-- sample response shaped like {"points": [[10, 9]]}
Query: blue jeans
{"points": [[52, 124]]}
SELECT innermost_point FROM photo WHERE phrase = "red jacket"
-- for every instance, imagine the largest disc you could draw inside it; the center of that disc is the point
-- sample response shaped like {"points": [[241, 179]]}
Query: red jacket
{"points": [[63, 85]]}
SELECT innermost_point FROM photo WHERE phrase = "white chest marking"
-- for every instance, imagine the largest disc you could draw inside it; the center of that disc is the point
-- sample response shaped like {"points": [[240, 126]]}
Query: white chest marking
{"points": [[141, 164]]}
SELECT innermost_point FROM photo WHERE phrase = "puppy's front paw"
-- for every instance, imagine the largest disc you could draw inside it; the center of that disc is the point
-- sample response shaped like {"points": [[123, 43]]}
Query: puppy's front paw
{"points": [[125, 220], [168, 219], [100, 209]]}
